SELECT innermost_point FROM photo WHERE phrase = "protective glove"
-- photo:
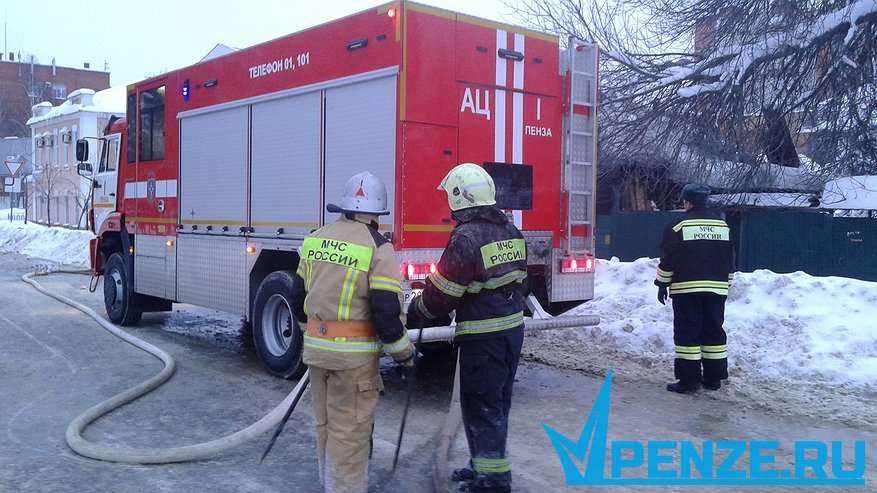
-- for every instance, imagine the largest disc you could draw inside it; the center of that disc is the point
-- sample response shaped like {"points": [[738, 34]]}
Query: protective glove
{"points": [[662, 294], [405, 368], [413, 315]]}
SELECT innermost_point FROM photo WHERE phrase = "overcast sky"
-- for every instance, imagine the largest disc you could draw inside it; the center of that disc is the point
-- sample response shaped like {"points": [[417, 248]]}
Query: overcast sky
{"points": [[138, 39]]}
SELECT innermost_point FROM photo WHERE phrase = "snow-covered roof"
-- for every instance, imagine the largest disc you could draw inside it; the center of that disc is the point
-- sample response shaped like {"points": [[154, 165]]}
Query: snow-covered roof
{"points": [[746, 177], [218, 51], [851, 192], [110, 100]]}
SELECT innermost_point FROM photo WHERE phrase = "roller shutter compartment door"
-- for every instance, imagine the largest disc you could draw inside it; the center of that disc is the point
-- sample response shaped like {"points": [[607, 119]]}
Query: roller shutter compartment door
{"points": [[360, 136]]}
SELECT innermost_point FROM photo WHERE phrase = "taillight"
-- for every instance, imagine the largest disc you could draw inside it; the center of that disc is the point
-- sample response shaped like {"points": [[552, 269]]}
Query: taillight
{"points": [[577, 264], [416, 272]]}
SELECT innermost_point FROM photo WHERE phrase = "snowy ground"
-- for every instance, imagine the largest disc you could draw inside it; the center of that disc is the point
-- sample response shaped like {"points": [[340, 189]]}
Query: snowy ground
{"points": [[797, 343]]}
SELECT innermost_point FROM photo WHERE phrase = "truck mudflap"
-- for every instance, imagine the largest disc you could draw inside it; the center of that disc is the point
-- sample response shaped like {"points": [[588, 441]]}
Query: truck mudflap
{"points": [[95, 257]]}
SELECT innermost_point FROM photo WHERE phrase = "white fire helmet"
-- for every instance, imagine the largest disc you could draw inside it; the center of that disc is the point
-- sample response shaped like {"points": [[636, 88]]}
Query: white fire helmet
{"points": [[364, 193], [468, 185]]}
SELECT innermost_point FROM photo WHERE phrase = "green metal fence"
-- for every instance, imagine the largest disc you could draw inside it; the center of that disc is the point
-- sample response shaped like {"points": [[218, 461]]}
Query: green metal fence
{"points": [[781, 240]]}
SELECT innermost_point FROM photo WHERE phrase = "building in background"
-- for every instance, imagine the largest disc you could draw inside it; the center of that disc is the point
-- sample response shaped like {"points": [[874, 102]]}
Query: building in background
{"points": [[57, 194], [24, 83]]}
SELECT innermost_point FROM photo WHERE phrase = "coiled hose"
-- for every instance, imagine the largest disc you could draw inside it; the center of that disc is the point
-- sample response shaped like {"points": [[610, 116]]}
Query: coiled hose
{"points": [[151, 455]]}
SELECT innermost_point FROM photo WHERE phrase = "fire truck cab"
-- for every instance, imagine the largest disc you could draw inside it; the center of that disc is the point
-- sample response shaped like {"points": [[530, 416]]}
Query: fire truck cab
{"points": [[206, 189]]}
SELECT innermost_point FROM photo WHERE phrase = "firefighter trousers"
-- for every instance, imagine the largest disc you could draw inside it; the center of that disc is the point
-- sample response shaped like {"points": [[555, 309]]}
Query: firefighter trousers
{"points": [[487, 374], [699, 337], [344, 413]]}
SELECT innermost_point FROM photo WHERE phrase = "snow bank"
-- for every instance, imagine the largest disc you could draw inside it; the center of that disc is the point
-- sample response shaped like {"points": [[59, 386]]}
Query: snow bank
{"points": [[65, 246], [784, 327]]}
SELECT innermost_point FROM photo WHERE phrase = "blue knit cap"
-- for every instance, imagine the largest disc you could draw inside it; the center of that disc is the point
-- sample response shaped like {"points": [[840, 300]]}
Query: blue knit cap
{"points": [[696, 194]]}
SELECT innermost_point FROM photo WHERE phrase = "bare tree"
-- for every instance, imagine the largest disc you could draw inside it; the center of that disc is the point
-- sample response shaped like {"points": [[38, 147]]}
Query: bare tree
{"points": [[736, 85], [48, 181]]}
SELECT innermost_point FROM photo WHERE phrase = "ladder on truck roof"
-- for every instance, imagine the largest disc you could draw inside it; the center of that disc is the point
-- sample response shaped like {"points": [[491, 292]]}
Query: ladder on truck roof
{"points": [[579, 143]]}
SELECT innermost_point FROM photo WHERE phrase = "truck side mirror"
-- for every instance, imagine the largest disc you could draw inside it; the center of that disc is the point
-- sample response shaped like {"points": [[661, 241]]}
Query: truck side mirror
{"points": [[84, 169], [81, 150]]}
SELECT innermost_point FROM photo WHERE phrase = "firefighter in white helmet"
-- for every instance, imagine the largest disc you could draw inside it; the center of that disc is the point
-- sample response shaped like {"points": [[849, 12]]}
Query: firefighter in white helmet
{"points": [[481, 275], [347, 288]]}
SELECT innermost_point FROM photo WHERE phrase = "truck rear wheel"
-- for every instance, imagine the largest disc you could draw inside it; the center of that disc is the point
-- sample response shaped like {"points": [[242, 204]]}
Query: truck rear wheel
{"points": [[276, 336], [122, 308]]}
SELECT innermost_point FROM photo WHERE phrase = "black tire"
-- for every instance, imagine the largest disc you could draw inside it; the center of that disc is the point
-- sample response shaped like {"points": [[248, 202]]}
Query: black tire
{"points": [[122, 308], [277, 338]]}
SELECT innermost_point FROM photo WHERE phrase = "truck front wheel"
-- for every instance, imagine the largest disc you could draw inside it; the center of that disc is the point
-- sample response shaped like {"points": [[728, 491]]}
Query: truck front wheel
{"points": [[122, 305], [276, 335]]}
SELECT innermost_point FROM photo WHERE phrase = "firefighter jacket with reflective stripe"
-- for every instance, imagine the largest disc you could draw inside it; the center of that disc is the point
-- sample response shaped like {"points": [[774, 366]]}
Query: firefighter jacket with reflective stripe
{"points": [[697, 255], [348, 271], [481, 274]]}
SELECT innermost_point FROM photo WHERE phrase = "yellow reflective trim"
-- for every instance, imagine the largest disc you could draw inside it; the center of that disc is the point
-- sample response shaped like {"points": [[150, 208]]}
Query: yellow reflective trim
{"points": [[497, 282], [347, 290], [341, 345], [490, 325], [717, 287], [664, 275], [397, 347], [218, 222], [337, 252], [723, 347], [490, 465], [285, 224], [690, 353], [711, 284], [385, 283], [450, 288], [722, 355], [715, 352], [437, 228], [502, 252]]}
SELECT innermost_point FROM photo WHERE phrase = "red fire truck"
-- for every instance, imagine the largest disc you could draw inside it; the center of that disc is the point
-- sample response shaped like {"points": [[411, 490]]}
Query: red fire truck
{"points": [[205, 190]]}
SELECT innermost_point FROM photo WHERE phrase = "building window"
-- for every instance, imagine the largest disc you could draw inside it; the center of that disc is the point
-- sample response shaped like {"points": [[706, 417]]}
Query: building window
{"points": [[152, 124], [59, 91]]}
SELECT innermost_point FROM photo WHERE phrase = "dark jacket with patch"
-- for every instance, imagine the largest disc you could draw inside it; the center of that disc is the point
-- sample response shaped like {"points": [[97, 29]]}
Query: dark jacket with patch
{"points": [[697, 255], [481, 275]]}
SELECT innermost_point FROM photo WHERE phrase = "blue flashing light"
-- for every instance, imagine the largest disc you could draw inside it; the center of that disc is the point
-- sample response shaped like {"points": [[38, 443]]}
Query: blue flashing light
{"points": [[186, 90]]}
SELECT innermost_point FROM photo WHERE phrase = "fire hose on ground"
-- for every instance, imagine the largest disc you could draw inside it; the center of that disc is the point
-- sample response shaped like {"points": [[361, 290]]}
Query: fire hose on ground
{"points": [[270, 421]]}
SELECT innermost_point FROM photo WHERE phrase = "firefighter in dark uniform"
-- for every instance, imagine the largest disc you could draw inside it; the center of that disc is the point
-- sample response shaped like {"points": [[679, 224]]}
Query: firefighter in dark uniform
{"points": [[697, 266], [481, 275], [347, 288]]}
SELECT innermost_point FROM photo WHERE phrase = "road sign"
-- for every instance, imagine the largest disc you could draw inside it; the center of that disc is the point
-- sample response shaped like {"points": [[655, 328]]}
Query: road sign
{"points": [[13, 165], [11, 185]]}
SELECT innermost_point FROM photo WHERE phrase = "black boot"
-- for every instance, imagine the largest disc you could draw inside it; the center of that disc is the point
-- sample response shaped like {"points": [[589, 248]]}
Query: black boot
{"points": [[683, 388], [463, 474], [471, 488], [711, 384]]}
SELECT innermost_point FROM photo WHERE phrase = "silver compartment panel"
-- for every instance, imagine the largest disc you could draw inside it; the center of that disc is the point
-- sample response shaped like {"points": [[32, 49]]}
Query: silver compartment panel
{"points": [[213, 272]]}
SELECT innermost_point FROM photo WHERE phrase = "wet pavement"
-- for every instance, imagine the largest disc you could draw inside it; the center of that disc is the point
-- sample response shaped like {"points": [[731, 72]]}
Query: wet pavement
{"points": [[55, 363]]}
